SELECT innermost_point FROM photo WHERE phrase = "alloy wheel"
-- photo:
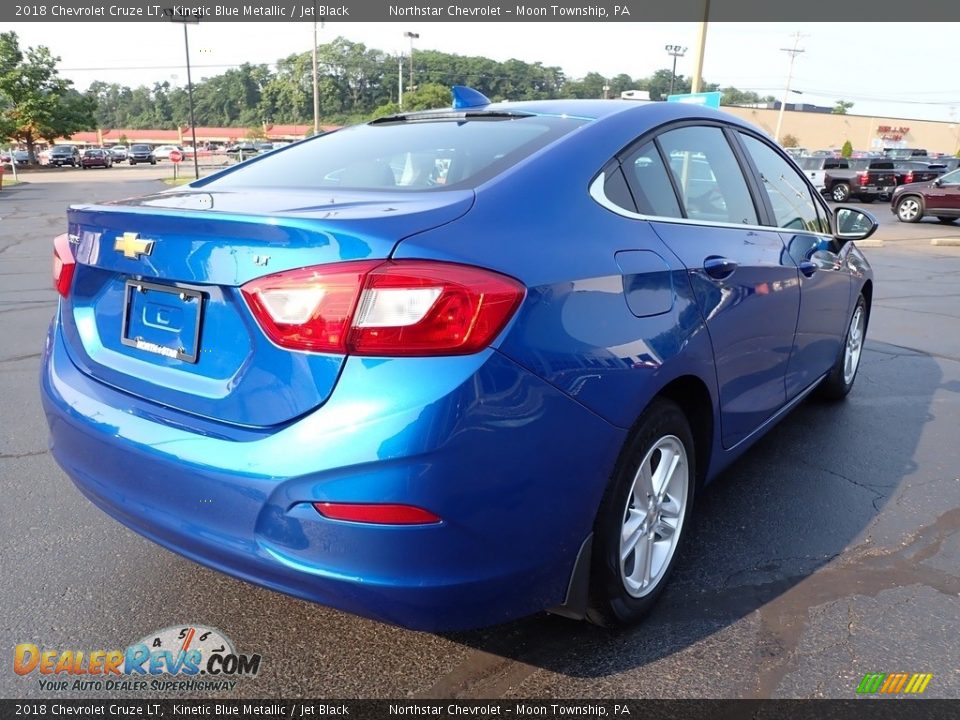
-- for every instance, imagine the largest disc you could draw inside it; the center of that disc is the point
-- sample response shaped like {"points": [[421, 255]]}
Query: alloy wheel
{"points": [[654, 515]]}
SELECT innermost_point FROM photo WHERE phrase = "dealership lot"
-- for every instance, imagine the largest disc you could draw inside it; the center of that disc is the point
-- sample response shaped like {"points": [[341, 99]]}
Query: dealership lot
{"points": [[829, 551]]}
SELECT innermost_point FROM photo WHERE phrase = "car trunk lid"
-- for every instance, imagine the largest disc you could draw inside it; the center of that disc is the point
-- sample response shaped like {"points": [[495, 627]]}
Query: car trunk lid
{"points": [[156, 308]]}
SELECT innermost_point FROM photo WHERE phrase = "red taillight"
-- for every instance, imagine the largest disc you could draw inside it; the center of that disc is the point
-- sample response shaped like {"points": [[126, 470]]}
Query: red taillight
{"points": [[309, 308], [908, 178], [863, 175], [380, 513], [385, 308], [63, 264]]}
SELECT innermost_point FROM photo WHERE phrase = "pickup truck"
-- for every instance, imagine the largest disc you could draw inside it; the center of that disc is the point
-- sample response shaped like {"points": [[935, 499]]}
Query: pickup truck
{"points": [[866, 180], [814, 167], [911, 171]]}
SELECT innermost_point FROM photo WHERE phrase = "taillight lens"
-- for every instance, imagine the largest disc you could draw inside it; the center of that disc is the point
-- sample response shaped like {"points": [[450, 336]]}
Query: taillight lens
{"points": [[309, 308], [863, 175], [385, 308], [908, 178], [63, 264]]}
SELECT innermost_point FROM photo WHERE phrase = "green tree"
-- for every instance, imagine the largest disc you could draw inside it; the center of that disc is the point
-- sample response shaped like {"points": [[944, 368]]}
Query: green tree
{"points": [[36, 102], [847, 149], [790, 141], [734, 96], [841, 107]]}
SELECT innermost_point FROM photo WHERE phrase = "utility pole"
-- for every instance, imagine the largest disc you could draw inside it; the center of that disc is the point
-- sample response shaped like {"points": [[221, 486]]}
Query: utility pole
{"points": [[400, 80], [697, 81], [316, 77], [792, 52], [186, 48], [676, 51]]}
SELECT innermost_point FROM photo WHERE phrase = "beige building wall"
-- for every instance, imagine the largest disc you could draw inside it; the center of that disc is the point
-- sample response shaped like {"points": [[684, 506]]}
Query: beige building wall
{"points": [[823, 131]]}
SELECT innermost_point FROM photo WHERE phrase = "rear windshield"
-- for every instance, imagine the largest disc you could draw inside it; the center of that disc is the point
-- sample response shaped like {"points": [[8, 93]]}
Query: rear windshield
{"points": [[416, 156]]}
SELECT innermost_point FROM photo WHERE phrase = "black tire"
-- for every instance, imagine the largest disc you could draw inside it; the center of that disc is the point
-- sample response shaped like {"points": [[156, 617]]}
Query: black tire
{"points": [[132, 162], [910, 209], [946, 220], [840, 192], [835, 386], [610, 604], [153, 162]]}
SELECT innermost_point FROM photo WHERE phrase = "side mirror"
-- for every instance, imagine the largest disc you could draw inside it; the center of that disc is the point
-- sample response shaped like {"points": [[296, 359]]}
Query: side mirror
{"points": [[937, 182], [853, 224]]}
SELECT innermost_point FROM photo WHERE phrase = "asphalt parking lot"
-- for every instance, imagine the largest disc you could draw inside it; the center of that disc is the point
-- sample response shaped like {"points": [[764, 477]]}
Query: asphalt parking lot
{"points": [[831, 550]]}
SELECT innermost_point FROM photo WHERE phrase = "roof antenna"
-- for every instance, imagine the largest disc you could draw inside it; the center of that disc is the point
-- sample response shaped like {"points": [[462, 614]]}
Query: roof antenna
{"points": [[467, 97]]}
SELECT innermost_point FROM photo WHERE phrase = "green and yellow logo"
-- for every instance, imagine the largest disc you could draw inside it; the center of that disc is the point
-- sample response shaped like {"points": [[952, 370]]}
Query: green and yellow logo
{"points": [[894, 683]]}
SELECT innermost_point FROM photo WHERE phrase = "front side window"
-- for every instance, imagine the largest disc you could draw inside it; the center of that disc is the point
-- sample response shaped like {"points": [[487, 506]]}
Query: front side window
{"points": [[792, 202], [951, 178], [708, 176]]}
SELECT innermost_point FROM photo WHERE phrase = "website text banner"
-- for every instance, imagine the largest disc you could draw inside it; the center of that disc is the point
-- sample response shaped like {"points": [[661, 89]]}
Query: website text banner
{"points": [[861, 11], [148, 709]]}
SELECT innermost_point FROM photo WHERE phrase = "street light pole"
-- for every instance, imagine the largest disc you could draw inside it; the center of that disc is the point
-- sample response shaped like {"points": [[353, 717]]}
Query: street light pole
{"points": [[676, 51], [413, 36], [792, 52]]}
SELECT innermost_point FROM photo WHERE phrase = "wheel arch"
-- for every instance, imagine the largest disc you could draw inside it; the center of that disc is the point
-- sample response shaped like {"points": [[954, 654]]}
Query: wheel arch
{"points": [[692, 395]]}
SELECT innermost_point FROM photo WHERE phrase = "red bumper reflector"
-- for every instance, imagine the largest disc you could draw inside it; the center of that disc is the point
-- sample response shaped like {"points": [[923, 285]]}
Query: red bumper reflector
{"points": [[379, 513]]}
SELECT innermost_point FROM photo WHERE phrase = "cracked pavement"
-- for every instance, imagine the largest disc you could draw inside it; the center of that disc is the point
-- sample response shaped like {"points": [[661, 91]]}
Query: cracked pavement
{"points": [[832, 549]]}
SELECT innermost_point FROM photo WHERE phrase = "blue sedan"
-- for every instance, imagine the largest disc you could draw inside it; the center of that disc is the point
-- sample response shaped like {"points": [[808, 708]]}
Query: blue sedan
{"points": [[451, 368]]}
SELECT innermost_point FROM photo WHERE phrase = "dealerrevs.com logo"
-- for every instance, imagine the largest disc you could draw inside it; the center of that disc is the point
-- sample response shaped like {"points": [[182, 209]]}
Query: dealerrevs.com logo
{"points": [[180, 658]]}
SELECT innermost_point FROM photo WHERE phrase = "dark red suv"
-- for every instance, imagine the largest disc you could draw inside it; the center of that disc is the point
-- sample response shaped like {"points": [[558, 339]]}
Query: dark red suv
{"points": [[940, 198]]}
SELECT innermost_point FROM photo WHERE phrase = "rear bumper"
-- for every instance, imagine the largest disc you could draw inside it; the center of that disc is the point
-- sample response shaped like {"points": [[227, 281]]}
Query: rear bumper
{"points": [[514, 468]]}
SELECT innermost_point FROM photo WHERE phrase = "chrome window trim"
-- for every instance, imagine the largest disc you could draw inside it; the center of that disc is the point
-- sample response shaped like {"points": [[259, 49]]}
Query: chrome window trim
{"points": [[596, 192]]}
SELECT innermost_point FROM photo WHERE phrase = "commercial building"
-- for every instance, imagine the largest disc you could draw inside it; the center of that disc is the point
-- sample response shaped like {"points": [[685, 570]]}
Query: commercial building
{"points": [[821, 131]]}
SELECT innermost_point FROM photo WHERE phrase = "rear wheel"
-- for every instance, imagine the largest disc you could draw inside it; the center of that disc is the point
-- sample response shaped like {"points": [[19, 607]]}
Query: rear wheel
{"points": [[946, 220], [840, 192], [909, 209], [839, 382], [642, 517]]}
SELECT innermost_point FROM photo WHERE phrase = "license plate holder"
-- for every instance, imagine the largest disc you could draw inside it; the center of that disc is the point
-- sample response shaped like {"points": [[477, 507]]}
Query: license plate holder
{"points": [[162, 319]]}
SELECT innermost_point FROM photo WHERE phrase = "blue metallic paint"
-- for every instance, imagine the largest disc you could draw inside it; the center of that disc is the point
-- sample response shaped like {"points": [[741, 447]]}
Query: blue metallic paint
{"points": [[512, 447]]}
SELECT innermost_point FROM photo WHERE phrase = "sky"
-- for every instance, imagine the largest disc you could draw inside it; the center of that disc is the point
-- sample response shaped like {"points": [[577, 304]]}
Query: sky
{"points": [[841, 61]]}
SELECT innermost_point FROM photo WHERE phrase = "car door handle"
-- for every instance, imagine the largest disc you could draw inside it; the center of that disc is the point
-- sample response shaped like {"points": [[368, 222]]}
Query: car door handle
{"points": [[719, 268], [807, 268]]}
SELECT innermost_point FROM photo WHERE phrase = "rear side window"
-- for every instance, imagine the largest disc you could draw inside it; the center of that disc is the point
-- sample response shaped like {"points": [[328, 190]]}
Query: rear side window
{"points": [[708, 176], [650, 183], [792, 202], [416, 156]]}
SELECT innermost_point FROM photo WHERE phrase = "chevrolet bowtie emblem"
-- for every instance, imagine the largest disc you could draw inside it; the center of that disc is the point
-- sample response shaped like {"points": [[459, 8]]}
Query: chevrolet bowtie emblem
{"points": [[132, 246]]}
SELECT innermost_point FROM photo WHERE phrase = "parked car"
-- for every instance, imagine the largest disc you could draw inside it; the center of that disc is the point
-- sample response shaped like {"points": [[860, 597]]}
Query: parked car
{"points": [[20, 157], [911, 171], [118, 152], [61, 155], [866, 180], [247, 148], [904, 153], [939, 197], [163, 152], [815, 168], [96, 157], [141, 153], [451, 405]]}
